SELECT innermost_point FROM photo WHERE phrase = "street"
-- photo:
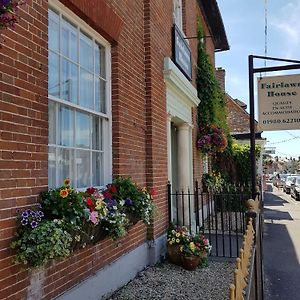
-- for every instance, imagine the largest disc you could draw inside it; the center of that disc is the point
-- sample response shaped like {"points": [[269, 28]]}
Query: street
{"points": [[281, 252]]}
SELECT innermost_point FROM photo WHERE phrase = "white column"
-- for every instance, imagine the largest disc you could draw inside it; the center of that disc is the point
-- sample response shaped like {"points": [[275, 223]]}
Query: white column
{"points": [[169, 118], [184, 172], [183, 159]]}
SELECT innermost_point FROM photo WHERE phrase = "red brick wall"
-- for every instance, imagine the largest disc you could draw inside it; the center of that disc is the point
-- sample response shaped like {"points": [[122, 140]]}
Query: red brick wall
{"points": [[158, 23], [141, 38], [23, 131]]}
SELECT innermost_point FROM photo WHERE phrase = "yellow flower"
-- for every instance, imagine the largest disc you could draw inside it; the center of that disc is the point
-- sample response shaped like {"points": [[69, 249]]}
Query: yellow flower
{"points": [[64, 193], [173, 240], [99, 203], [67, 181], [181, 248], [173, 231], [177, 234], [177, 241], [192, 246], [170, 242]]}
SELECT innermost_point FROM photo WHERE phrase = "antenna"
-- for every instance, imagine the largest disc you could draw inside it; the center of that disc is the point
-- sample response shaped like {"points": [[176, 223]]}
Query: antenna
{"points": [[266, 31]]}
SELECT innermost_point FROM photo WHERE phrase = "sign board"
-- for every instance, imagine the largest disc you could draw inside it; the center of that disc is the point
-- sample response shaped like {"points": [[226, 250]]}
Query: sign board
{"points": [[279, 102], [269, 151], [181, 53]]}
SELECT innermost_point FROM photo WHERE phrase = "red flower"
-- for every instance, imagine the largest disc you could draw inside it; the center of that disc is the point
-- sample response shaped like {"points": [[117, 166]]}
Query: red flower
{"points": [[107, 195], [112, 189], [90, 203], [91, 190], [153, 192]]}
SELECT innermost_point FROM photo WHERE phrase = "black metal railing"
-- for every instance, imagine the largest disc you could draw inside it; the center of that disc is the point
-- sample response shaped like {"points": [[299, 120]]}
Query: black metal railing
{"points": [[219, 215]]}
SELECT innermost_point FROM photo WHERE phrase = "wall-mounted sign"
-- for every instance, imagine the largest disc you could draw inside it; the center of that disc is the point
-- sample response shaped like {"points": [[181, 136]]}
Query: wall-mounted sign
{"points": [[181, 53], [279, 102]]}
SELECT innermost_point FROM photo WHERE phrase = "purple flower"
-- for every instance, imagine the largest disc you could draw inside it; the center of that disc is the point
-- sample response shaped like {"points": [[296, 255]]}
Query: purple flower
{"points": [[128, 202], [4, 3], [33, 224], [33, 213], [24, 222], [25, 214], [39, 205], [110, 203], [40, 213]]}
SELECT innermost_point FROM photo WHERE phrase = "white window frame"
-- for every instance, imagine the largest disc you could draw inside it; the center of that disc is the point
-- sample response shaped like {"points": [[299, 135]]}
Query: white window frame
{"points": [[106, 126]]}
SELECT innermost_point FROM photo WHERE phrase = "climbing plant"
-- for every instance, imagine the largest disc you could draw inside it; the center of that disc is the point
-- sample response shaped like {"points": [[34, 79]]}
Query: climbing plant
{"points": [[212, 110], [235, 165]]}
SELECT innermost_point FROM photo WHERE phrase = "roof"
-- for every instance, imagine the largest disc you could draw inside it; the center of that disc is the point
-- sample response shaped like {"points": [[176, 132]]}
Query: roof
{"points": [[241, 103], [215, 23]]}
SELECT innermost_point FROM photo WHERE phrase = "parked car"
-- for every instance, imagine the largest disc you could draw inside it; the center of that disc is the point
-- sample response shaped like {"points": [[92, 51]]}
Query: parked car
{"points": [[290, 181], [295, 190], [279, 180]]}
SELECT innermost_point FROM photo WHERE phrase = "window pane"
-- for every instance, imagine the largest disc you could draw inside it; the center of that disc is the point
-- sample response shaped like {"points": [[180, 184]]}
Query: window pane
{"points": [[86, 89], [65, 165], [86, 52], [51, 167], [66, 126], [69, 40], [83, 168], [97, 134], [69, 81], [97, 169], [99, 60], [53, 31], [100, 95], [53, 74], [52, 122], [83, 130]]}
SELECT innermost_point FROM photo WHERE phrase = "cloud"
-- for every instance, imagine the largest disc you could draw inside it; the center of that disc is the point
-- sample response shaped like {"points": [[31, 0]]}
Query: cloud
{"points": [[286, 26]]}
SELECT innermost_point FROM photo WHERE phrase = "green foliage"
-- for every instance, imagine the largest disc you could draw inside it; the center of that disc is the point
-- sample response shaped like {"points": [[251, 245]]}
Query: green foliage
{"points": [[64, 202], [138, 201], [212, 109], [213, 181], [37, 246], [67, 219], [235, 165]]}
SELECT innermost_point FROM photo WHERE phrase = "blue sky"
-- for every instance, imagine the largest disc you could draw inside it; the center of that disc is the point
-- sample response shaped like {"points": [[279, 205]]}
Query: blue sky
{"points": [[244, 22]]}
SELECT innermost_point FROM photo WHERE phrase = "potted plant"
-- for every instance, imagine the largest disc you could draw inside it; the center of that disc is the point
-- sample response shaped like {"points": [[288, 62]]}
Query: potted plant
{"points": [[194, 249], [176, 237]]}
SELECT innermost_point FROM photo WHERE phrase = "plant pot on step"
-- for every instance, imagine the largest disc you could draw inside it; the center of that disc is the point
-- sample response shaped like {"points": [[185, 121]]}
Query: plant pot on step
{"points": [[190, 262]]}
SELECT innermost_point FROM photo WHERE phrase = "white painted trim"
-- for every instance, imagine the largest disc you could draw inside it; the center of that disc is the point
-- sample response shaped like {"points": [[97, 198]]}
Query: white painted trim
{"points": [[106, 117], [176, 81], [83, 25]]}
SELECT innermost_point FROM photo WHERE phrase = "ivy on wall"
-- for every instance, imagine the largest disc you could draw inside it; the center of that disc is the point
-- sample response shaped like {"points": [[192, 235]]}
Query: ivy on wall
{"points": [[235, 166], [212, 109]]}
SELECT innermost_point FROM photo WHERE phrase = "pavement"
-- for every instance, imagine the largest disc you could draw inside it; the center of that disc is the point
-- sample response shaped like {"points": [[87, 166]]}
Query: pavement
{"points": [[281, 247]]}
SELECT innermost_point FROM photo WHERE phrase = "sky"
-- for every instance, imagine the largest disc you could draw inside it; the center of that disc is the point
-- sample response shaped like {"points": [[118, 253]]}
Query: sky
{"points": [[244, 22]]}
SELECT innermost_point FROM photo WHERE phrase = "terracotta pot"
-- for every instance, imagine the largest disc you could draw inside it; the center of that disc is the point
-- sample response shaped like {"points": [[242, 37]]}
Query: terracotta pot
{"points": [[190, 262], [174, 254]]}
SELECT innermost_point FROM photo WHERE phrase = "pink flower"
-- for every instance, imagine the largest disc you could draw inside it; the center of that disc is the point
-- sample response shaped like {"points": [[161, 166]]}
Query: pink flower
{"points": [[206, 242], [94, 217]]}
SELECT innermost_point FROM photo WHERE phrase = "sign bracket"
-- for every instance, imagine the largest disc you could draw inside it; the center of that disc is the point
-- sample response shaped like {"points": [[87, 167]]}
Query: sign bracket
{"points": [[252, 71]]}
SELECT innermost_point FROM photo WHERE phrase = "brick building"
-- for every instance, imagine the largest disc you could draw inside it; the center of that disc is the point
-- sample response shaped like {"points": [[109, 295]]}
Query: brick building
{"points": [[239, 121], [90, 90]]}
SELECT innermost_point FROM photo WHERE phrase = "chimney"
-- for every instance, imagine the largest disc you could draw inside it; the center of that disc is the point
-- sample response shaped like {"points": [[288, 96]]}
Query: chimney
{"points": [[220, 74]]}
